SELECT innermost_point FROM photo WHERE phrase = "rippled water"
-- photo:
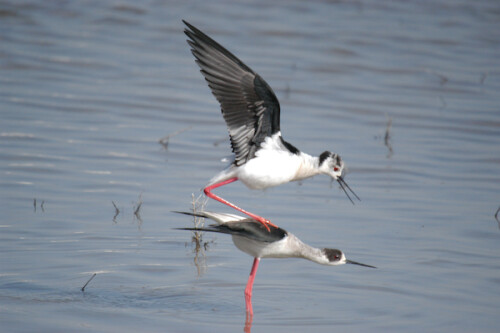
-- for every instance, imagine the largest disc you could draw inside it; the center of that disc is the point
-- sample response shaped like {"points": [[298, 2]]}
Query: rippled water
{"points": [[88, 88]]}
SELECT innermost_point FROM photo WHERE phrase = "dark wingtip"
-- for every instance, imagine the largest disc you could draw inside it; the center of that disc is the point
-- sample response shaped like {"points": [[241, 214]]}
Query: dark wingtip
{"points": [[194, 30], [189, 25], [179, 212], [188, 213], [191, 30]]}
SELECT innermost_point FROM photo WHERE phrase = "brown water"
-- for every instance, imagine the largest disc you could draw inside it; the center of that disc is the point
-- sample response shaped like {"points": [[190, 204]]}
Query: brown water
{"points": [[88, 88]]}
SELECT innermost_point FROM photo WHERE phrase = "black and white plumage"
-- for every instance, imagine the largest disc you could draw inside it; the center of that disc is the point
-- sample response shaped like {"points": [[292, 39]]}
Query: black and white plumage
{"points": [[252, 237], [249, 106], [262, 158]]}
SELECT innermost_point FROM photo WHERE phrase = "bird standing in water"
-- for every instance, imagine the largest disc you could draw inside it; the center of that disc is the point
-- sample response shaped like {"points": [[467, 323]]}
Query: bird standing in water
{"points": [[262, 158], [253, 238]]}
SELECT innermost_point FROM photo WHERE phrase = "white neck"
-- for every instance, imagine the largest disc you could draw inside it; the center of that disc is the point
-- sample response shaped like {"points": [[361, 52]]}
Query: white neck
{"points": [[309, 166], [302, 250]]}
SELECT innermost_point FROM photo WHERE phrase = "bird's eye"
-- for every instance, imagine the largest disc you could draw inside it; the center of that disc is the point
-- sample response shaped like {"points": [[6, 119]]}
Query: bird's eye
{"points": [[335, 169], [337, 257]]}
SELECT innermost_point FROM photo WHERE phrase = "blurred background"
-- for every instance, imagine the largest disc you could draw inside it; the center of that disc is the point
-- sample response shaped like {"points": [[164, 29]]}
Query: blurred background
{"points": [[107, 126]]}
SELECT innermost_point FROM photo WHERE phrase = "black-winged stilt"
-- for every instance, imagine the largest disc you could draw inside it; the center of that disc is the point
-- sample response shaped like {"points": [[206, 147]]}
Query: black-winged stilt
{"points": [[251, 110], [252, 237]]}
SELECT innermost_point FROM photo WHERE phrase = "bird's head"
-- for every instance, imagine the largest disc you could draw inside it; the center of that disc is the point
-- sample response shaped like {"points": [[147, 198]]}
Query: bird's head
{"points": [[334, 257], [331, 164]]}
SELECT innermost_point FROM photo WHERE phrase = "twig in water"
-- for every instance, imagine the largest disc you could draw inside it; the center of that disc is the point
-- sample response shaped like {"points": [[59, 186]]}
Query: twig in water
{"points": [[200, 260], [83, 288], [117, 211], [483, 77], [199, 204], [165, 140], [496, 217], [387, 137], [41, 205], [443, 79], [199, 222], [137, 209], [217, 142]]}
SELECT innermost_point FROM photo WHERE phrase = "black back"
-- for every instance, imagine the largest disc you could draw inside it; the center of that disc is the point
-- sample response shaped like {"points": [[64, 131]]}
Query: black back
{"points": [[250, 229]]}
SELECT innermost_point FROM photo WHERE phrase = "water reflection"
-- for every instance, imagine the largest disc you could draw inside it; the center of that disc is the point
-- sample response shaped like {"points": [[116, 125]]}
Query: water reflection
{"points": [[248, 320], [87, 92], [200, 246], [200, 258], [164, 141], [137, 212], [42, 205]]}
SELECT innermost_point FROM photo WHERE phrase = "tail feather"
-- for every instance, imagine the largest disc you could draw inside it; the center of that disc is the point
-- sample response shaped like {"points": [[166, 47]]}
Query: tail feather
{"points": [[220, 218], [189, 213], [212, 228]]}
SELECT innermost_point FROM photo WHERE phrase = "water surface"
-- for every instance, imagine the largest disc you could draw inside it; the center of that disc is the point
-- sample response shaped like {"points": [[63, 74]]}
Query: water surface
{"points": [[88, 88]]}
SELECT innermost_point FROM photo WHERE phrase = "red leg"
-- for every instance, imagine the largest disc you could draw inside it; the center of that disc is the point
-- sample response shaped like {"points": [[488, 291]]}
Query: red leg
{"points": [[248, 289], [208, 193]]}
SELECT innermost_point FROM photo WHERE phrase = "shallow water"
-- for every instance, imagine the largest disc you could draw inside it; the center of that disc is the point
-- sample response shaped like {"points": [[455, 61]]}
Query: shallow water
{"points": [[88, 88]]}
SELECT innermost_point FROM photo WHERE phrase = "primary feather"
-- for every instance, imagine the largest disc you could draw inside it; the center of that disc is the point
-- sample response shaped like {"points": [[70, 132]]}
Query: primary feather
{"points": [[248, 104]]}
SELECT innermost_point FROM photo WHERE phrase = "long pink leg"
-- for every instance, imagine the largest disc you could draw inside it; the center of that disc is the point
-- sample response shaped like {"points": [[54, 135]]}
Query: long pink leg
{"points": [[248, 289], [208, 193]]}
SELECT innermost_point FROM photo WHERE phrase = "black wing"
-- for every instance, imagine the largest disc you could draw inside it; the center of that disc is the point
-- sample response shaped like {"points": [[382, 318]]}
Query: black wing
{"points": [[250, 229], [249, 106]]}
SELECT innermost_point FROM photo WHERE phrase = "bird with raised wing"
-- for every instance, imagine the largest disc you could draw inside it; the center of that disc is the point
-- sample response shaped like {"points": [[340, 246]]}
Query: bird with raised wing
{"points": [[262, 158]]}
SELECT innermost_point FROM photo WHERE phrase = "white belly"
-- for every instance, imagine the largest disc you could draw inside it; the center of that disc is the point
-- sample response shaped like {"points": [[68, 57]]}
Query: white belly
{"points": [[269, 169], [256, 249], [272, 165]]}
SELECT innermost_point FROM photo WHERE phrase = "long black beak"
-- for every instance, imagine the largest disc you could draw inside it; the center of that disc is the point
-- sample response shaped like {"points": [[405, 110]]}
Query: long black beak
{"points": [[345, 187], [358, 263]]}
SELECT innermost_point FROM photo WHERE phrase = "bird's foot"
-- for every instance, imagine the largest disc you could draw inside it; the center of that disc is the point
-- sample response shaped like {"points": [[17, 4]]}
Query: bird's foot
{"points": [[266, 223]]}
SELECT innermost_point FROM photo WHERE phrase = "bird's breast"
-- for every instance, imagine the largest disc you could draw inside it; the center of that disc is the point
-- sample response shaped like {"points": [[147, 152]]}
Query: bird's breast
{"points": [[257, 249], [249, 246], [269, 169]]}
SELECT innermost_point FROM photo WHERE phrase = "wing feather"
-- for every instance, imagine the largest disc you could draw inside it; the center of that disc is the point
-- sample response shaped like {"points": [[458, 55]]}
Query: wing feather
{"points": [[249, 106]]}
